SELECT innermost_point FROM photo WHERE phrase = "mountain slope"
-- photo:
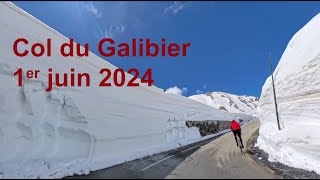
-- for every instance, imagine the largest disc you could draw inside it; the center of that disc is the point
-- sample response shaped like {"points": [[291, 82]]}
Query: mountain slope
{"points": [[297, 85], [229, 102]]}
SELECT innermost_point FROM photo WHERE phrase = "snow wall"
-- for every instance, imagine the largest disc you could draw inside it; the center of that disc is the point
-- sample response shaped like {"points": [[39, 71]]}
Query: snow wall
{"points": [[76, 130], [297, 83]]}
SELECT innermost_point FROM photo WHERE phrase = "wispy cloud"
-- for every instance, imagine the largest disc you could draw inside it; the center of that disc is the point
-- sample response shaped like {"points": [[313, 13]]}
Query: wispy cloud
{"points": [[184, 90], [91, 8], [199, 91], [174, 8], [177, 90], [114, 29], [204, 86]]}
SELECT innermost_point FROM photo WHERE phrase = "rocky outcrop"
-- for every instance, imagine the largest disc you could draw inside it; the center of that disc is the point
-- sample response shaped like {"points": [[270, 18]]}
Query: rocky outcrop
{"points": [[222, 108], [209, 127]]}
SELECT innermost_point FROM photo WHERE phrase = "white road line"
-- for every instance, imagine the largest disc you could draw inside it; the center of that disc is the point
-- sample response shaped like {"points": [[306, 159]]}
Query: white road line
{"points": [[190, 148], [157, 163], [167, 158]]}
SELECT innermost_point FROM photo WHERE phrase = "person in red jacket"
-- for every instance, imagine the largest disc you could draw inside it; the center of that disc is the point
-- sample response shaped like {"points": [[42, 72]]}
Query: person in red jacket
{"points": [[236, 129]]}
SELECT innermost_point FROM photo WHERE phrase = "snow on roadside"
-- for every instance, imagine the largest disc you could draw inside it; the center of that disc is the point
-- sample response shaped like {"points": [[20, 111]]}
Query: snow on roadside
{"points": [[77, 130], [297, 84]]}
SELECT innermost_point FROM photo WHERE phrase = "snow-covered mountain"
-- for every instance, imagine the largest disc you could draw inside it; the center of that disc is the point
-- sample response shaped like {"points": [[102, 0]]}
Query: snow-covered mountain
{"points": [[297, 86], [79, 129], [229, 102]]}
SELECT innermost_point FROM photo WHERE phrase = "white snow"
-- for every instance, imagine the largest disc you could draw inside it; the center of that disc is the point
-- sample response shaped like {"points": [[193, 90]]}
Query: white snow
{"points": [[77, 130], [229, 102], [297, 84]]}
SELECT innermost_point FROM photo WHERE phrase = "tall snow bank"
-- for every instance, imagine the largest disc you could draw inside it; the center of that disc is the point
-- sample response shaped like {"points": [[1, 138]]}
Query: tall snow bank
{"points": [[297, 84], [76, 130]]}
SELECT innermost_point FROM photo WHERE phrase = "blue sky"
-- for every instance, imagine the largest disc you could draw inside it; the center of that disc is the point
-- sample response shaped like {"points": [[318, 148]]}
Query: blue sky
{"points": [[230, 41]]}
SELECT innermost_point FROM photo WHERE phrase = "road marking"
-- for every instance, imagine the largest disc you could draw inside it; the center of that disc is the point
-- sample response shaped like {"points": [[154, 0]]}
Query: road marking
{"points": [[182, 152], [157, 163], [190, 148], [168, 158]]}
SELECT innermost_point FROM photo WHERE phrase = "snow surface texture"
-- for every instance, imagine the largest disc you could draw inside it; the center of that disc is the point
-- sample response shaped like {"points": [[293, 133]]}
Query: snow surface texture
{"points": [[77, 130], [297, 84], [229, 102]]}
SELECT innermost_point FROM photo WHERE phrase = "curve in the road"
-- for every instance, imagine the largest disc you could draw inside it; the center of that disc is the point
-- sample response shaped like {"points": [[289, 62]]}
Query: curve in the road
{"points": [[222, 159]]}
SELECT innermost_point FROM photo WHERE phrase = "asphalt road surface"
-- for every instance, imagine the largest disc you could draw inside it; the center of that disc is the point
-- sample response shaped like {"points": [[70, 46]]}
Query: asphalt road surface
{"points": [[222, 159], [218, 157], [153, 167]]}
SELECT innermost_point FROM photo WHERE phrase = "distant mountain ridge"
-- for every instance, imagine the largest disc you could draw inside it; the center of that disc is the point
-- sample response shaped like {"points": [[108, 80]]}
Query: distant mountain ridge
{"points": [[229, 102]]}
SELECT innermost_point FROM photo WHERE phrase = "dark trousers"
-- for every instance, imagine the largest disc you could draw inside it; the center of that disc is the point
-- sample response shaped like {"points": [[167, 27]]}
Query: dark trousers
{"points": [[235, 133]]}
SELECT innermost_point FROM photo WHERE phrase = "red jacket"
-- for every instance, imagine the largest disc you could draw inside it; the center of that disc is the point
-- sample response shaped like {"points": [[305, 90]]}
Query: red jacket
{"points": [[235, 125]]}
